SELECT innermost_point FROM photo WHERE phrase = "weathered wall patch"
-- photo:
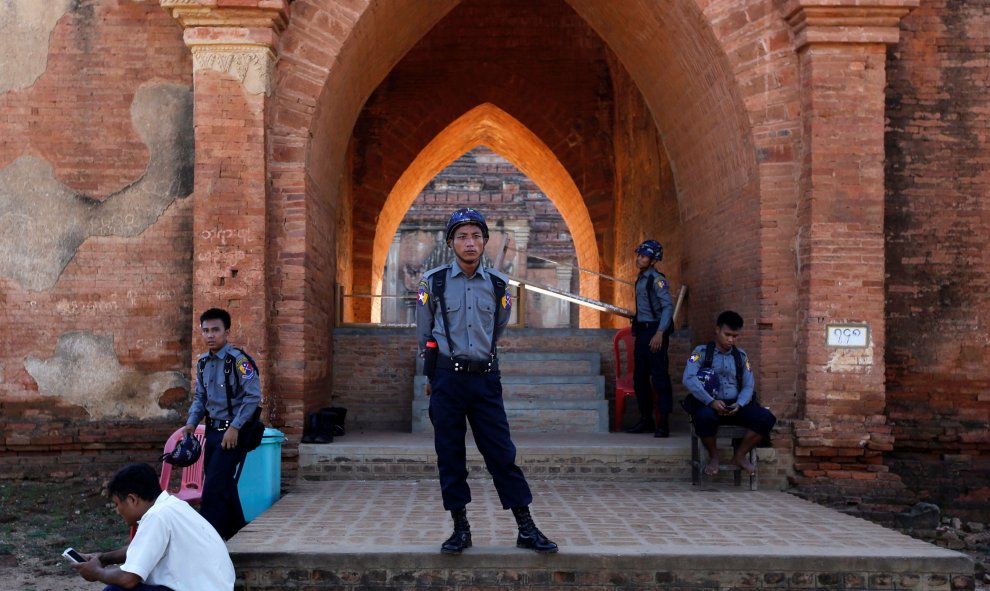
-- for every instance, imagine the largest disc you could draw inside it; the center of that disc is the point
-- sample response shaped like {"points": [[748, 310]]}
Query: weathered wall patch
{"points": [[43, 222], [85, 371]]}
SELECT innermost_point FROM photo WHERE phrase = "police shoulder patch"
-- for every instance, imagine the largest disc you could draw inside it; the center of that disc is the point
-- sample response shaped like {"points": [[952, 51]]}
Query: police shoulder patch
{"points": [[507, 301], [662, 283], [246, 368], [424, 294], [695, 357]]}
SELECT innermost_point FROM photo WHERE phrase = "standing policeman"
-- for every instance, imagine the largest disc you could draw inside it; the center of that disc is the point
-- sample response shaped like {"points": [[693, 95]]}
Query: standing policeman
{"points": [[652, 327], [463, 309], [222, 368]]}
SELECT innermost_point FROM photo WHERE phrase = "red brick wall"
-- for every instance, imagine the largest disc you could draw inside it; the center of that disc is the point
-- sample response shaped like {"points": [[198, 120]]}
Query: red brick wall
{"points": [[937, 221], [77, 117]]}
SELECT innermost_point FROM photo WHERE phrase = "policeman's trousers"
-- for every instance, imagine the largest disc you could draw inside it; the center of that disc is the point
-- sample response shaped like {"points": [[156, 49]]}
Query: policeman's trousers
{"points": [[476, 397], [650, 366], [221, 504]]}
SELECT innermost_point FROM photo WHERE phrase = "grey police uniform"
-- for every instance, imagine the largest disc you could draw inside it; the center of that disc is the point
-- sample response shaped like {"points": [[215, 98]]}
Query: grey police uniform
{"points": [[211, 398], [706, 421], [653, 301], [475, 317], [221, 504], [654, 314], [466, 383]]}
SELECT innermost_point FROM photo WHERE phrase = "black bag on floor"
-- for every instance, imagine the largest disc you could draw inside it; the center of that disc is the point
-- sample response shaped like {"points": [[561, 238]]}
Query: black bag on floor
{"points": [[335, 415], [317, 428]]}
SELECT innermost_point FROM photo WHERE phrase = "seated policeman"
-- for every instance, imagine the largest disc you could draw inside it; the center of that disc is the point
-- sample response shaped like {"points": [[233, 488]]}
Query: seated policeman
{"points": [[720, 382], [174, 547]]}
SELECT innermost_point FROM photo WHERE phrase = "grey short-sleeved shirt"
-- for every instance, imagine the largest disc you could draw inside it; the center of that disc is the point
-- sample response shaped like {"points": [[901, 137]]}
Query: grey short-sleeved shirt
{"points": [[724, 365], [211, 397], [475, 317], [653, 301]]}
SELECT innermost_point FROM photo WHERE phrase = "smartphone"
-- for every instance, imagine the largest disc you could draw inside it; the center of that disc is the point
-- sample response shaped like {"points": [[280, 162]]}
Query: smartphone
{"points": [[72, 555]]}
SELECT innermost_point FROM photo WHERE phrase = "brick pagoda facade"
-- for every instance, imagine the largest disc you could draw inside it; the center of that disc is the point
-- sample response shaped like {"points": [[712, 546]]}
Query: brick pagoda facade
{"points": [[810, 163]]}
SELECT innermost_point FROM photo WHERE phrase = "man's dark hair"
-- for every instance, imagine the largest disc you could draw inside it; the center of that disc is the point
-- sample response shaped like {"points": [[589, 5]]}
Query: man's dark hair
{"points": [[730, 319], [215, 314], [139, 479]]}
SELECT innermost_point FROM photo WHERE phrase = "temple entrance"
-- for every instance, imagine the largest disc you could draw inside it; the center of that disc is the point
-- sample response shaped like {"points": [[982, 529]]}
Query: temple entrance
{"points": [[530, 238]]}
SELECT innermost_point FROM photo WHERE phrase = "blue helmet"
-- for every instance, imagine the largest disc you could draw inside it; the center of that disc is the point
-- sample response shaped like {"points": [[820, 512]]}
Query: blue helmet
{"points": [[652, 249], [709, 381], [466, 216], [185, 453]]}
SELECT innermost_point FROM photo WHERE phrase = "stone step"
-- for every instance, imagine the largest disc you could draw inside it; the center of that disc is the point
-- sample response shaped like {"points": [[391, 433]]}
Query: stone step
{"points": [[556, 364], [538, 389], [537, 404], [570, 455]]}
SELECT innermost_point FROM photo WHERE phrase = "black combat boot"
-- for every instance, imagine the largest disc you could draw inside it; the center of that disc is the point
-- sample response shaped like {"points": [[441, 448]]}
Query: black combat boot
{"points": [[643, 426], [663, 427], [461, 538], [529, 536]]}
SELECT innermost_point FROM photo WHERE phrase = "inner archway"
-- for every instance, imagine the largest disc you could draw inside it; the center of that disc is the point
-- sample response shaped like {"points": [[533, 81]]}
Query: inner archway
{"points": [[487, 125]]}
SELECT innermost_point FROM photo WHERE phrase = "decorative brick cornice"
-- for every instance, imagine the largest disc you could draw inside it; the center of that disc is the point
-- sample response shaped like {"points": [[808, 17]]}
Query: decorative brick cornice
{"points": [[238, 40], [253, 65], [270, 14], [846, 21]]}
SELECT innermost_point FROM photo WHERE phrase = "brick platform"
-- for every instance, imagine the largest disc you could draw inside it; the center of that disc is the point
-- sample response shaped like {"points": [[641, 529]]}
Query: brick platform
{"points": [[613, 535]]}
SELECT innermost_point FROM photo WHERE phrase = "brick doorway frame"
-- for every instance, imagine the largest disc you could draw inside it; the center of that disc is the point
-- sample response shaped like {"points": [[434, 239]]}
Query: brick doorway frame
{"points": [[772, 116]]}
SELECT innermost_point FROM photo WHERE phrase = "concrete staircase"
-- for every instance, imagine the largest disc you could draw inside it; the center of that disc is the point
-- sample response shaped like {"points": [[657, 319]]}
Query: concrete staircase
{"points": [[542, 392]]}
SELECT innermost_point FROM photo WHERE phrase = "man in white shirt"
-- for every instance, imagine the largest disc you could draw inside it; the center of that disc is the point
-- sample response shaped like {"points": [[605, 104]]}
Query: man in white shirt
{"points": [[174, 548]]}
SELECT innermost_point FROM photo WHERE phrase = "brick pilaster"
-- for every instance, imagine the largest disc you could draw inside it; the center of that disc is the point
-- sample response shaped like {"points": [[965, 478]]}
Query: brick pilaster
{"points": [[840, 242], [233, 43]]}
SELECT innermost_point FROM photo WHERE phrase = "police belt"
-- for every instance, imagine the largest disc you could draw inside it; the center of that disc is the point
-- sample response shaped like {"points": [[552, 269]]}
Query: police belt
{"points": [[218, 424], [652, 325], [463, 365]]}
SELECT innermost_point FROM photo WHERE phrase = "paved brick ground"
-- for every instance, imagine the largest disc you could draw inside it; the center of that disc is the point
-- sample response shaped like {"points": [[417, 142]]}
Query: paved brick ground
{"points": [[615, 531], [600, 517]]}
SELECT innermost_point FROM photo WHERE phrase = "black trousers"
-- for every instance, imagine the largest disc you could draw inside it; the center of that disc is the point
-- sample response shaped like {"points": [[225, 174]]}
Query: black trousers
{"points": [[752, 416], [650, 366], [221, 504], [475, 398]]}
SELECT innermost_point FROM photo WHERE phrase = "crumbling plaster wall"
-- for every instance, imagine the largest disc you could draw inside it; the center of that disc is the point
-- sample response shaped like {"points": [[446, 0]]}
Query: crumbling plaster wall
{"points": [[96, 167]]}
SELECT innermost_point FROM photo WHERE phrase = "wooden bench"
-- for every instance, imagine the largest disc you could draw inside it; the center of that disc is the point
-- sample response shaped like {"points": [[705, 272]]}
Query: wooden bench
{"points": [[699, 456]]}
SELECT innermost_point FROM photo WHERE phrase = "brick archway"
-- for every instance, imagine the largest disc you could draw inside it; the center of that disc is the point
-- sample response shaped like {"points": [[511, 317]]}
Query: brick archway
{"points": [[692, 80], [490, 126]]}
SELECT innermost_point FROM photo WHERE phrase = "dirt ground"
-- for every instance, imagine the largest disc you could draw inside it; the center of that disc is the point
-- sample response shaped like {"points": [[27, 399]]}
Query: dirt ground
{"points": [[38, 521]]}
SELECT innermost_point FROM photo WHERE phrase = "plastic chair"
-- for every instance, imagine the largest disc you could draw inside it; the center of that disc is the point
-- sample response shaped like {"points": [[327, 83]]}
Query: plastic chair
{"points": [[699, 456], [624, 379], [191, 483]]}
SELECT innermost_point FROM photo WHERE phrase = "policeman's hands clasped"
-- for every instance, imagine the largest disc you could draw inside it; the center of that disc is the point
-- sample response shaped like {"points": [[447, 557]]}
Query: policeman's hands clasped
{"points": [[724, 409]]}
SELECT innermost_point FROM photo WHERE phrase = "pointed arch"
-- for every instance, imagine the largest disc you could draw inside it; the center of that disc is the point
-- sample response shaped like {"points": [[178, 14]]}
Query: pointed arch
{"points": [[490, 126]]}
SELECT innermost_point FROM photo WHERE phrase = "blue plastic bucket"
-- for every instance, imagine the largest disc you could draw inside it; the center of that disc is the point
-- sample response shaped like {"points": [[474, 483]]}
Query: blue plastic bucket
{"points": [[261, 478]]}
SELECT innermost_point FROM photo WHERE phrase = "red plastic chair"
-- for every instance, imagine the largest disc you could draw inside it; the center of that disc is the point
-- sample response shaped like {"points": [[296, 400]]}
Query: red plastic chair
{"points": [[624, 379], [191, 484]]}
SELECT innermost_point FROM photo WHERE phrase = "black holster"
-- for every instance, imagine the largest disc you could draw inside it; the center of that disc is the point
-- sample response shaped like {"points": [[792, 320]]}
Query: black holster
{"points": [[430, 359]]}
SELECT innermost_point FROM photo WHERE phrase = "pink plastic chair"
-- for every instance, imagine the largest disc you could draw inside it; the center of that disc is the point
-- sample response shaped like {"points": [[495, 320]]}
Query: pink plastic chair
{"points": [[624, 379], [191, 484]]}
